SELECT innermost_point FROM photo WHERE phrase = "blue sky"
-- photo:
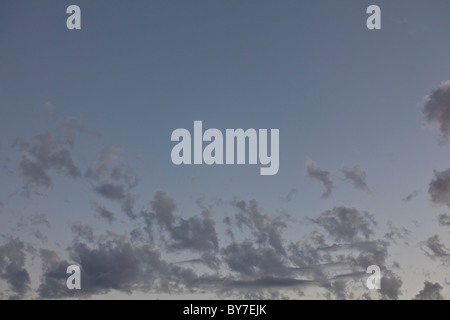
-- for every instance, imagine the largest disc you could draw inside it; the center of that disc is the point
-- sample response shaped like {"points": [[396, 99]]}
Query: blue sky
{"points": [[106, 98]]}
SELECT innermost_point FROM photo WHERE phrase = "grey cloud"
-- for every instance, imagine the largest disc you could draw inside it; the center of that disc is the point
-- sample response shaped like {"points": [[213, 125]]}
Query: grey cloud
{"points": [[390, 285], [114, 182], [436, 108], [289, 195], [395, 233], [348, 224], [12, 267], [339, 289], [357, 177], [41, 155], [439, 188], [111, 192], [39, 219], [84, 232], [164, 208], [104, 212], [431, 291], [265, 229], [118, 194], [267, 282], [113, 263], [33, 173], [53, 279], [314, 171], [249, 261], [109, 166], [436, 247], [410, 196], [40, 236], [444, 219], [197, 233]]}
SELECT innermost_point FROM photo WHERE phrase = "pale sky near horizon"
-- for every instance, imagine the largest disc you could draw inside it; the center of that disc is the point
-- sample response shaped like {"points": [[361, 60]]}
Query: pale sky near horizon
{"points": [[87, 178]]}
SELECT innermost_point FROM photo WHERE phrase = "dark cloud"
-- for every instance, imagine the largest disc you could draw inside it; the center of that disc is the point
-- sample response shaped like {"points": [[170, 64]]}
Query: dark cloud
{"points": [[289, 195], [103, 212], [444, 219], [348, 224], [163, 206], [410, 196], [267, 282], [54, 276], [436, 108], [431, 291], [265, 229], [111, 192], [12, 267], [356, 176], [40, 156], [113, 263], [390, 285], [246, 260], [114, 182], [436, 247], [109, 166], [395, 233], [120, 195], [84, 232], [313, 171], [196, 233], [40, 236], [439, 188], [39, 219]]}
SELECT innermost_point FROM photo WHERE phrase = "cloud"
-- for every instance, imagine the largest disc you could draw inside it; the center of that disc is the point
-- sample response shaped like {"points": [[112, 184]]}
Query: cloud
{"points": [[39, 219], [436, 247], [348, 224], [54, 276], [163, 206], [265, 229], [41, 155], [444, 219], [118, 194], [436, 108], [109, 166], [431, 291], [12, 268], [410, 196], [313, 171], [84, 232], [196, 233], [439, 188], [289, 195], [246, 260], [104, 212], [395, 233], [356, 176], [390, 285], [113, 263]]}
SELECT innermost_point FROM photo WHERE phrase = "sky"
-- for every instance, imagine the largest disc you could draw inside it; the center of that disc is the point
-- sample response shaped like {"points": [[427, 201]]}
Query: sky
{"points": [[87, 177]]}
